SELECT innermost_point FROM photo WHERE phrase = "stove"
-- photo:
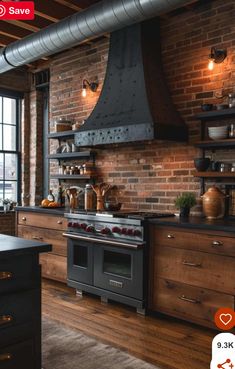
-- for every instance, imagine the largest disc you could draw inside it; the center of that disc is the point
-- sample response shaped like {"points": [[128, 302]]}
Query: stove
{"points": [[108, 254]]}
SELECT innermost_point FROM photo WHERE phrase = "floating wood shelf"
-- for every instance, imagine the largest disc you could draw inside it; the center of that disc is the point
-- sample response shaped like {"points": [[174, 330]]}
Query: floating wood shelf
{"points": [[220, 144], [213, 114], [214, 174], [71, 155], [72, 176], [62, 135]]}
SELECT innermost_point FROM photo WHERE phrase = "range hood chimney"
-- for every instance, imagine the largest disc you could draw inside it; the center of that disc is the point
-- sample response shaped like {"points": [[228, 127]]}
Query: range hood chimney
{"points": [[134, 104]]}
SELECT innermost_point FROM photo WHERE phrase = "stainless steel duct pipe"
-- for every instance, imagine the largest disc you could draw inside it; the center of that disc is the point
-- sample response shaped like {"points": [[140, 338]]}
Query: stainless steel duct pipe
{"points": [[105, 16]]}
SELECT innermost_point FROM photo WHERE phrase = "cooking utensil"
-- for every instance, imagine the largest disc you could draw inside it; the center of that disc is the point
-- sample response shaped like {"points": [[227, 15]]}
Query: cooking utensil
{"points": [[101, 191]]}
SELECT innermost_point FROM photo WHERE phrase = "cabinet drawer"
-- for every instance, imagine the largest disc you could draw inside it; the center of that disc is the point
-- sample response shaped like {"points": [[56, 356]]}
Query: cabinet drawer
{"points": [[54, 267], [188, 302], [206, 242], [196, 268], [42, 220], [19, 272], [18, 356], [53, 237], [18, 308]]}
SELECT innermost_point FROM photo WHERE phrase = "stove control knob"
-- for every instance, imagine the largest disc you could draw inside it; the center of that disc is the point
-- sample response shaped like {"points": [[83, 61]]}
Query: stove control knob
{"points": [[76, 225], [70, 224], [90, 229], [130, 232], [137, 233], [105, 230], [83, 226], [124, 231], [116, 230]]}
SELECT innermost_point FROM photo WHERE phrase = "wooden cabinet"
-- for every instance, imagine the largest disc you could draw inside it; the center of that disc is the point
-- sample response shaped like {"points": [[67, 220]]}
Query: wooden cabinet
{"points": [[192, 273], [20, 308], [46, 228]]}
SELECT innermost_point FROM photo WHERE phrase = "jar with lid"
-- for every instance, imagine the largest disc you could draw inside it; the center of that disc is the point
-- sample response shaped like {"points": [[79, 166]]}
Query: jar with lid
{"points": [[233, 167], [89, 198]]}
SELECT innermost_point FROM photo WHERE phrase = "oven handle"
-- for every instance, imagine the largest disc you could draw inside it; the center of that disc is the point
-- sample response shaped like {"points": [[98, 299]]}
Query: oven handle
{"points": [[106, 242]]}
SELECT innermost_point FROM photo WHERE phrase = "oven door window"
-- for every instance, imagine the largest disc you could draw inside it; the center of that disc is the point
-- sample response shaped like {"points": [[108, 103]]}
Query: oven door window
{"points": [[117, 263]]}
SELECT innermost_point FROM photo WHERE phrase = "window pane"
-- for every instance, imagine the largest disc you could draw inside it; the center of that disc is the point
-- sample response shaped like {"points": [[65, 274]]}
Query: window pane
{"points": [[9, 137], [0, 109], [1, 166], [1, 192], [9, 110], [11, 190], [10, 167], [0, 136]]}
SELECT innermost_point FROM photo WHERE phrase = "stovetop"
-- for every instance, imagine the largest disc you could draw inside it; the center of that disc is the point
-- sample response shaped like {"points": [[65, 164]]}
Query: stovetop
{"points": [[125, 214]]}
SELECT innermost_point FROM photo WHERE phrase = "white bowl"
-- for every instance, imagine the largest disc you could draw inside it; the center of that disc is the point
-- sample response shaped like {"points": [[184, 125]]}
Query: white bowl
{"points": [[218, 136]]}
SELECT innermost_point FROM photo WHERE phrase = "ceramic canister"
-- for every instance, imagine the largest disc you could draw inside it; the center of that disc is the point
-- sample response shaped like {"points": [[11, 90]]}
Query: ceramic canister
{"points": [[213, 202]]}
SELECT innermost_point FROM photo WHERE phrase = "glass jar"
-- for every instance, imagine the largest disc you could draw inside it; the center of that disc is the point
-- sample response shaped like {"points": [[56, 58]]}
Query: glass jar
{"points": [[89, 198], [231, 100], [233, 167]]}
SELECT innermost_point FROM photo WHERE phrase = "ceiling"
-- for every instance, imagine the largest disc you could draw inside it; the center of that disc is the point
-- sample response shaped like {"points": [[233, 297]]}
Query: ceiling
{"points": [[47, 12]]}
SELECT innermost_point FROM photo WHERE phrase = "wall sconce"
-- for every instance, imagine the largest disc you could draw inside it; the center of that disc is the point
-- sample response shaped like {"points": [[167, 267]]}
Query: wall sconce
{"points": [[92, 86], [216, 56]]}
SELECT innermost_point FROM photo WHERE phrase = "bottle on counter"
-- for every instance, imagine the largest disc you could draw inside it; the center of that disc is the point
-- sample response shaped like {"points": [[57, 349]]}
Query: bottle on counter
{"points": [[50, 196], [89, 198], [61, 197]]}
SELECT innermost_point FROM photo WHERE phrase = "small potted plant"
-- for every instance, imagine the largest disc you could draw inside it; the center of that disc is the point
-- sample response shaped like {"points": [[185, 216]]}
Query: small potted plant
{"points": [[185, 202], [6, 205]]}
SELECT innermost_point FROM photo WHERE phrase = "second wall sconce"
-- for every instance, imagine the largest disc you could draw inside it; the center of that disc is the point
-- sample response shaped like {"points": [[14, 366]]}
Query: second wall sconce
{"points": [[91, 85], [216, 56]]}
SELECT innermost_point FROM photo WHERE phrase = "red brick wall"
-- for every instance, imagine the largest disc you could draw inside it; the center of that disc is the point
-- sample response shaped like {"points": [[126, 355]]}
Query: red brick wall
{"points": [[151, 175]]}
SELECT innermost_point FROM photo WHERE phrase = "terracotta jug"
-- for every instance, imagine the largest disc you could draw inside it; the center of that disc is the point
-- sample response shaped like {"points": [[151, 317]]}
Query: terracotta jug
{"points": [[213, 202]]}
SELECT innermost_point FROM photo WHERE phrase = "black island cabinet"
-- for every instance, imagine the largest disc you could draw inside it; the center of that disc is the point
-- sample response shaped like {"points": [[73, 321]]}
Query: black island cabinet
{"points": [[20, 303]]}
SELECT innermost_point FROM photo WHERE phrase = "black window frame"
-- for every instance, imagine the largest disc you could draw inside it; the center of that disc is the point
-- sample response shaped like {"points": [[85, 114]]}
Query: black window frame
{"points": [[18, 96]]}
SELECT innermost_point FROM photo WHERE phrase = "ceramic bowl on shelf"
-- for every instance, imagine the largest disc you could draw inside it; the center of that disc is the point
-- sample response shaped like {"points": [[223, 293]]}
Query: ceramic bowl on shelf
{"points": [[202, 164], [218, 133], [207, 107]]}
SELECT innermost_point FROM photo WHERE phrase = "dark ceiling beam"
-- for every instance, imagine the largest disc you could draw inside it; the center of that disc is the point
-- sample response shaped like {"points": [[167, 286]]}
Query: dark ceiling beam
{"points": [[56, 10], [69, 5], [13, 30], [23, 25]]}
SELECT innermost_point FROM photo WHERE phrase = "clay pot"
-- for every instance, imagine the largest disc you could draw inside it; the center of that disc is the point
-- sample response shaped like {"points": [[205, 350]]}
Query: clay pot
{"points": [[213, 202]]}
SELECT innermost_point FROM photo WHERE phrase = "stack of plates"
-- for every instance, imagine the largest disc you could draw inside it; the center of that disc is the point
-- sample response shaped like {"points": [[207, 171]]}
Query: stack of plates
{"points": [[218, 133]]}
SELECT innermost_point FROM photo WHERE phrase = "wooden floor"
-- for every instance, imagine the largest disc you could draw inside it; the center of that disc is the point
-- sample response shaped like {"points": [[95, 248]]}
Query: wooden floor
{"points": [[163, 341]]}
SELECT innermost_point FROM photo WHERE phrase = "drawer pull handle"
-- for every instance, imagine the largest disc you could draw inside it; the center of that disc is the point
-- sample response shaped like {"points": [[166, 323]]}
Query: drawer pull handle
{"points": [[5, 319], [217, 243], [170, 236], [5, 275], [192, 301], [37, 238], [194, 265], [24, 219], [5, 357], [59, 222]]}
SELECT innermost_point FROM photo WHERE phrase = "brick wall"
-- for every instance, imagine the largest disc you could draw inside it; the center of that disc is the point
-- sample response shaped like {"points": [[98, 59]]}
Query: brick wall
{"points": [[150, 175], [7, 223]]}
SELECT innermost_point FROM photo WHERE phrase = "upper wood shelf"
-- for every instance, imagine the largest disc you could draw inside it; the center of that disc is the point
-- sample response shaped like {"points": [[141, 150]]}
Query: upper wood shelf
{"points": [[62, 135], [71, 155], [214, 174], [220, 144], [214, 114]]}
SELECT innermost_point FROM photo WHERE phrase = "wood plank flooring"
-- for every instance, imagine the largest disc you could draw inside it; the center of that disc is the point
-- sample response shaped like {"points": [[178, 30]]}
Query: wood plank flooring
{"points": [[163, 341]]}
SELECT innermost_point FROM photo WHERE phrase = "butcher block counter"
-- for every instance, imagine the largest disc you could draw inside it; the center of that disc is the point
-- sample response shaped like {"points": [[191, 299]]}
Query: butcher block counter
{"points": [[192, 267], [20, 308]]}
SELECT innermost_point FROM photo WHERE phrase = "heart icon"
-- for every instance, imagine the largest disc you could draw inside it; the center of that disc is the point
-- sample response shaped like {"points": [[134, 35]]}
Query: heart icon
{"points": [[225, 318]]}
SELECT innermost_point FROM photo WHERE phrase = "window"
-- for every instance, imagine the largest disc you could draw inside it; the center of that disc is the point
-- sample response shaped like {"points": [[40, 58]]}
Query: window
{"points": [[9, 147]]}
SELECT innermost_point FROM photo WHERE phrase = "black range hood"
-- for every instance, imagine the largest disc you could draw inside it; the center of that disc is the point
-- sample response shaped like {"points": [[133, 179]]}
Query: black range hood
{"points": [[134, 104]]}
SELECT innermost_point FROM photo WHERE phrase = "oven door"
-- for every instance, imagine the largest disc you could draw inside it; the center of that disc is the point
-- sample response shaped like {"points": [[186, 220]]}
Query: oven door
{"points": [[119, 270], [80, 261]]}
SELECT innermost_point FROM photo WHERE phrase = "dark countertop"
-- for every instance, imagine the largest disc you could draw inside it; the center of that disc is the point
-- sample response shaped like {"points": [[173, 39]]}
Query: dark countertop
{"points": [[15, 245], [38, 209], [225, 225]]}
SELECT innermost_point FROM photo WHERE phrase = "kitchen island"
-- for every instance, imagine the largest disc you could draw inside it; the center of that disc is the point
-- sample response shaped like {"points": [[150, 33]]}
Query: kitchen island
{"points": [[192, 267], [20, 307]]}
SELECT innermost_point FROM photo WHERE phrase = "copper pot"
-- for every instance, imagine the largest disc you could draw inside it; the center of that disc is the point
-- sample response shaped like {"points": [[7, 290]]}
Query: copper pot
{"points": [[213, 202]]}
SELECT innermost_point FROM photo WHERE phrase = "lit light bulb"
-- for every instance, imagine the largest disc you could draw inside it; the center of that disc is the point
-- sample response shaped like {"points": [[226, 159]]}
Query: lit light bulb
{"points": [[211, 64], [84, 92]]}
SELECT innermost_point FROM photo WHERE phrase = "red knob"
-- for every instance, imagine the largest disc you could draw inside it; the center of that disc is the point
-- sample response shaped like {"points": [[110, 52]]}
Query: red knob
{"points": [[116, 230], [105, 230], [124, 231], [90, 229], [137, 232], [130, 232], [70, 224], [83, 226]]}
